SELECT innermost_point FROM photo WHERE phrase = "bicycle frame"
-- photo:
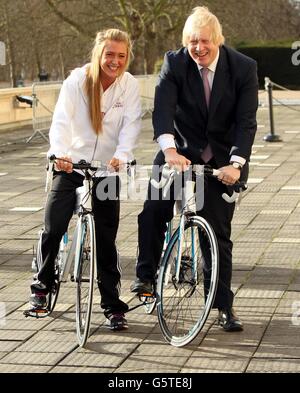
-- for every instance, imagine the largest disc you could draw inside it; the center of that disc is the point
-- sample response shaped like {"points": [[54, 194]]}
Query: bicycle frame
{"points": [[68, 257], [187, 207], [84, 208]]}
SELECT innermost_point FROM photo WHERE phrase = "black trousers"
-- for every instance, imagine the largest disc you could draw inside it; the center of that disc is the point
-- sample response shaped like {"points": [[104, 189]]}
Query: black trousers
{"points": [[152, 224], [58, 213]]}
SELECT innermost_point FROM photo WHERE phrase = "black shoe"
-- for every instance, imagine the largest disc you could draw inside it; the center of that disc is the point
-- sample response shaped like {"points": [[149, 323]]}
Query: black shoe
{"points": [[117, 321], [229, 321], [141, 287], [38, 300]]}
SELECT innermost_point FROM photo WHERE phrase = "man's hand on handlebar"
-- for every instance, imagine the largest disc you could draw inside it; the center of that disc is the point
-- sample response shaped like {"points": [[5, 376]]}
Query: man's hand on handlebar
{"points": [[229, 175], [64, 164], [175, 160]]}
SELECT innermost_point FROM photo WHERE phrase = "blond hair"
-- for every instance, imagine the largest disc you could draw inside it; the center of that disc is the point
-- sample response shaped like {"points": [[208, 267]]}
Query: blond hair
{"points": [[93, 83], [199, 18]]}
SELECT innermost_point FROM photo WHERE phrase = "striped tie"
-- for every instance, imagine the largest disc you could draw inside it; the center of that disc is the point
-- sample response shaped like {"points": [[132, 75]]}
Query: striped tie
{"points": [[207, 153]]}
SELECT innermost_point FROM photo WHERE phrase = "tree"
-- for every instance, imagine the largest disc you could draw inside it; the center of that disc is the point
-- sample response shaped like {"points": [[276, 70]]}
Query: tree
{"points": [[147, 21], [58, 34]]}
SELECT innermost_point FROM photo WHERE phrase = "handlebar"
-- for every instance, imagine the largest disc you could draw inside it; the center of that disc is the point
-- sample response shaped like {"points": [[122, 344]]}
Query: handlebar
{"points": [[93, 166], [84, 166], [168, 174]]}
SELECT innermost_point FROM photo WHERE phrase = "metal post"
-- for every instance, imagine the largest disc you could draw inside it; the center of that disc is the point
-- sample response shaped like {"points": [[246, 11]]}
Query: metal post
{"points": [[2, 53], [271, 137]]}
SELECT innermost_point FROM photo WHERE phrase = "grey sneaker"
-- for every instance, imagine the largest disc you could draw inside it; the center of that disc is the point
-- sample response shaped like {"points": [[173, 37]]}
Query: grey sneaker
{"points": [[117, 321], [141, 287], [38, 300]]}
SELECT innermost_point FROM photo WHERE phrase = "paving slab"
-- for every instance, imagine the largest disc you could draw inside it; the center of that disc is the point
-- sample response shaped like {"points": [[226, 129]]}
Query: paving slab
{"points": [[274, 366], [209, 365], [22, 368], [78, 370], [34, 358]]}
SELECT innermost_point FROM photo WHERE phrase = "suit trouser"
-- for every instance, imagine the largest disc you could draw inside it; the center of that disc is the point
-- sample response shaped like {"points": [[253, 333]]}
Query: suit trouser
{"points": [[152, 224], [58, 213]]}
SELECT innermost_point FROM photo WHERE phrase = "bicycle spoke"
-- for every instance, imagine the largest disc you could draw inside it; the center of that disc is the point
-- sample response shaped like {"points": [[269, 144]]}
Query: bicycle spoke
{"points": [[85, 280]]}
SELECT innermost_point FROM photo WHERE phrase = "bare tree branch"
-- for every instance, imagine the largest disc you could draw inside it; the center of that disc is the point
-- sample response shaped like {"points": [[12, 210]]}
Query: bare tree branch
{"points": [[75, 26]]}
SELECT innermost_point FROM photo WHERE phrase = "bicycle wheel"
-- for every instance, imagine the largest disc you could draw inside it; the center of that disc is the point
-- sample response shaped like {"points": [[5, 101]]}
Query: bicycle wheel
{"points": [[59, 267], [53, 294], [187, 283], [85, 277]]}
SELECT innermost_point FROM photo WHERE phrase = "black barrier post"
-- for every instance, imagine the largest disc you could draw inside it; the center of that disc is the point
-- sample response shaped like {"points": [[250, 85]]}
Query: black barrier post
{"points": [[271, 137]]}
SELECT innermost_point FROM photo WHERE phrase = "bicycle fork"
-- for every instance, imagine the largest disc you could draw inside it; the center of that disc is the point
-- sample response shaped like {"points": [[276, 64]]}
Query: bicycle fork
{"points": [[188, 203]]}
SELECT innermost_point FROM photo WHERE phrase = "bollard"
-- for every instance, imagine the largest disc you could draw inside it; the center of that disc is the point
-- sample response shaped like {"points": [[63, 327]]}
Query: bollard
{"points": [[271, 137]]}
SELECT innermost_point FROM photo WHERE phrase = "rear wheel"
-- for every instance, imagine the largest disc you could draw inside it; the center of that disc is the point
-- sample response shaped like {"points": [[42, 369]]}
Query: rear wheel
{"points": [[85, 277], [187, 282], [53, 294]]}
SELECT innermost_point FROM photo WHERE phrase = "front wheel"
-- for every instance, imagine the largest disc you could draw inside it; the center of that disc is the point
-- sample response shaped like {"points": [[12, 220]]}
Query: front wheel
{"points": [[85, 261], [187, 281]]}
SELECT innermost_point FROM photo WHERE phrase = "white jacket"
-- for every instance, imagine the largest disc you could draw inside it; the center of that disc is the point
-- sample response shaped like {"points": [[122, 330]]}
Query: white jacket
{"points": [[71, 133]]}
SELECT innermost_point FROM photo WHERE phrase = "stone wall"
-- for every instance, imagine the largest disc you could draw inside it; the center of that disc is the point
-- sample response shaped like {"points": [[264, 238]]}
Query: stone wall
{"points": [[14, 114]]}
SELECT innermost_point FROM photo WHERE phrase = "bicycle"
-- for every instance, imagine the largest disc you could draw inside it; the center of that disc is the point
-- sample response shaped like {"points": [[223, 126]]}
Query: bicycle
{"points": [[80, 252], [188, 272]]}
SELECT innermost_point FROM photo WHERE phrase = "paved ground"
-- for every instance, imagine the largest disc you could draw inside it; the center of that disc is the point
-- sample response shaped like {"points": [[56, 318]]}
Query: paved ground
{"points": [[266, 277]]}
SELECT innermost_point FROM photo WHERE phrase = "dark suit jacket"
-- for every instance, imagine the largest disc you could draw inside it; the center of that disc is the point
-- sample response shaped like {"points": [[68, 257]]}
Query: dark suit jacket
{"points": [[180, 106]]}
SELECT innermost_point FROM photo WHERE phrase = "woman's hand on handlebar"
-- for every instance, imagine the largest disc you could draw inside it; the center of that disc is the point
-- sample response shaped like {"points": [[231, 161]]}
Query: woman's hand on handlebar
{"points": [[114, 164], [175, 160], [229, 175], [64, 164]]}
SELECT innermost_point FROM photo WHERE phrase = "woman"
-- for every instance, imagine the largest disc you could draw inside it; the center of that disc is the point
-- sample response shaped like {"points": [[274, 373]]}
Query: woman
{"points": [[97, 117]]}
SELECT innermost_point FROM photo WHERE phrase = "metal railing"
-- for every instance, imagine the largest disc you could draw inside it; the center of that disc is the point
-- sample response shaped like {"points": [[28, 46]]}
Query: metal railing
{"points": [[272, 136]]}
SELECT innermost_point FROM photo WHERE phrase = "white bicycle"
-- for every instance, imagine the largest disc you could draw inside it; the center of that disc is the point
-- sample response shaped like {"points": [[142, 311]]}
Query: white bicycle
{"points": [[188, 272], [80, 253]]}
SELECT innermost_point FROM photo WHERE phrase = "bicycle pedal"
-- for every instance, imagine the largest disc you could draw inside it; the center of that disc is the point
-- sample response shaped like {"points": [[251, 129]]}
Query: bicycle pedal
{"points": [[36, 312], [146, 295]]}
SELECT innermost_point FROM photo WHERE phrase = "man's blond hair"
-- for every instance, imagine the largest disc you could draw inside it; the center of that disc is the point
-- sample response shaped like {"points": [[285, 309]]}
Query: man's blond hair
{"points": [[199, 18]]}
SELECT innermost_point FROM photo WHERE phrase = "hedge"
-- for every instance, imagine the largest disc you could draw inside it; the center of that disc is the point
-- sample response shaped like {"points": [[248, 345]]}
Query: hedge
{"points": [[275, 62]]}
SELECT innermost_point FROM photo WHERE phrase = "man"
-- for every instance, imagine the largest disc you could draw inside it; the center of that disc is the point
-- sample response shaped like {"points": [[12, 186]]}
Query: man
{"points": [[204, 112]]}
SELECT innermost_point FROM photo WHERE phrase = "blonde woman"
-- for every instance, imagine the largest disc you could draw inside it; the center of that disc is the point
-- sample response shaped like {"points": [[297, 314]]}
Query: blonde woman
{"points": [[97, 117]]}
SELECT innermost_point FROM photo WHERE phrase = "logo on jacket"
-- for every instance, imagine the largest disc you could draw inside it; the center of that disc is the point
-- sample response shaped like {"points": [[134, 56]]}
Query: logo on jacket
{"points": [[296, 55], [118, 104]]}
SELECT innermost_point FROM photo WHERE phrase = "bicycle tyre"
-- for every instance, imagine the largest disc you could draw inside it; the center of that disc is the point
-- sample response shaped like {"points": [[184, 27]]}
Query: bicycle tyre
{"points": [[85, 277], [183, 306], [59, 266], [53, 294]]}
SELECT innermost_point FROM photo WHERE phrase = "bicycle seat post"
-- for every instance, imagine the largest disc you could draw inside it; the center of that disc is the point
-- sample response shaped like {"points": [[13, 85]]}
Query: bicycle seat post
{"points": [[86, 200]]}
